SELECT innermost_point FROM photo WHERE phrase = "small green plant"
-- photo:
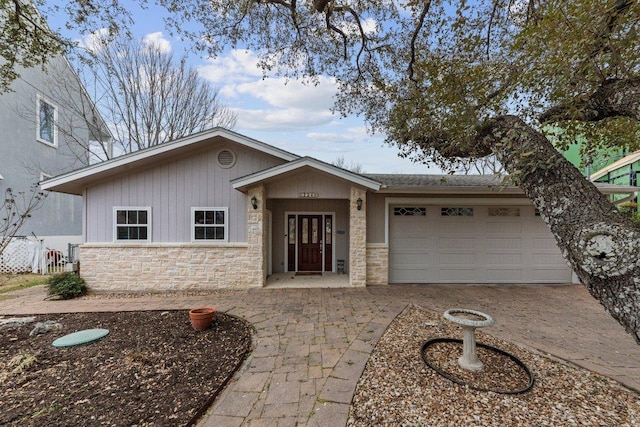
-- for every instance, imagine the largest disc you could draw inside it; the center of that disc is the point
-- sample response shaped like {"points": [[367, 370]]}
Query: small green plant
{"points": [[66, 286]]}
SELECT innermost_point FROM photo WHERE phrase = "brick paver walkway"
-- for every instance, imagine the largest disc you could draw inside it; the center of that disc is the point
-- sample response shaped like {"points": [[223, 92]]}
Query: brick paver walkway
{"points": [[312, 344]]}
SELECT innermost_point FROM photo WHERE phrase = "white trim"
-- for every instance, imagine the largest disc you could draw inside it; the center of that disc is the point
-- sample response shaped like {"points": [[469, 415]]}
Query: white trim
{"points": [[131, 208], [91, 172], [40, 99], [247, 181], [44, 175], [625, 161], [135, 244], [286, 239], [213, 209], [269, 242]]}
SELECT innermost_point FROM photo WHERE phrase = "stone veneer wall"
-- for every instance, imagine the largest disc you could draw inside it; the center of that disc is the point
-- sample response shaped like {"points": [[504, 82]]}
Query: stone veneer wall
{"points": [[358, 238], [257, 252], [149, 267], [377, 264], [111, 267]]}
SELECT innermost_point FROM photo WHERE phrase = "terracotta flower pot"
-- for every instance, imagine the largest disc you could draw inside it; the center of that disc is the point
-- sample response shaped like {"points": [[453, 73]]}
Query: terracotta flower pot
{"points": [[201, 318]]}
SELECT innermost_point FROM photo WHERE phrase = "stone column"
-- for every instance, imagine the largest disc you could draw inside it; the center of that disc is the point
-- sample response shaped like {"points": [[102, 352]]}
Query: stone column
{"points": [[256, 237], [358, 238]]}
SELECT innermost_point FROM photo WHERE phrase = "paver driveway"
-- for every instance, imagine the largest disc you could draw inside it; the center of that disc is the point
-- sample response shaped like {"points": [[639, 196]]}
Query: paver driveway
{"points": [[312, 344]]}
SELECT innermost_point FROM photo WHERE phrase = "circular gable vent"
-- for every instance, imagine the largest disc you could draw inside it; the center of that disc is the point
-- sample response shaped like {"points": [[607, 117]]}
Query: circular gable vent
{"points": [[226, 158]]}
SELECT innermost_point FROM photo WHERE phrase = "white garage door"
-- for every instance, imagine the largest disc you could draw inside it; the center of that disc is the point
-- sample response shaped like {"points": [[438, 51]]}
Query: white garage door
{"points": [[472, 244]]}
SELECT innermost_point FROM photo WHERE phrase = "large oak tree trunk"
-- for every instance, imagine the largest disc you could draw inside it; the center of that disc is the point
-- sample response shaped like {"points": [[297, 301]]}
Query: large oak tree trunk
{"points": [[600, 244]]}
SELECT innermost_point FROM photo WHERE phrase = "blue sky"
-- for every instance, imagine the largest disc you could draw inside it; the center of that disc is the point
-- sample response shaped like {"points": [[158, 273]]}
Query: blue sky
{"points": [[288, 115]]}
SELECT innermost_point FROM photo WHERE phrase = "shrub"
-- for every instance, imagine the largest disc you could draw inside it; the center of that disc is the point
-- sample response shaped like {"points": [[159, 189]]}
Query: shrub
{"points": [[630, 209], [66, 286]]}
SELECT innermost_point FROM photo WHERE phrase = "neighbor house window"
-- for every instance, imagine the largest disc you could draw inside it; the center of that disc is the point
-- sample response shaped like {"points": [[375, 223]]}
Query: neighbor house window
{"points": [[209, 224], [132, 224], [47, 115]]}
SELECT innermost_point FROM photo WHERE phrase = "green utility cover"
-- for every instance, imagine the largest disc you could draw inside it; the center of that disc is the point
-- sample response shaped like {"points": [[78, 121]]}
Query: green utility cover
{"points": [[80, 337]]}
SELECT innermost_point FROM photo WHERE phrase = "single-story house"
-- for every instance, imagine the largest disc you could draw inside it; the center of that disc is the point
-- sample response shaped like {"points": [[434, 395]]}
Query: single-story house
{"points": [[220, 210]]}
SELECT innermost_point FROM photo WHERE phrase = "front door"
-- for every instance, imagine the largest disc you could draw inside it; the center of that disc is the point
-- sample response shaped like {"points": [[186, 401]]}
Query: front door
{"points": [[310, 234]]}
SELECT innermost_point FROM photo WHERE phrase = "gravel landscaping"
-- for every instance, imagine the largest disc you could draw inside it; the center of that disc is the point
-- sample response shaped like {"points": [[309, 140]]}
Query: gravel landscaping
{"points": [[397, 388]]}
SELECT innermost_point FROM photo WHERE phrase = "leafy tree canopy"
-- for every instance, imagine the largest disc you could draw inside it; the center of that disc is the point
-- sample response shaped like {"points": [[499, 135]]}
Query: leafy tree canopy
{"points": [[448, 66], [430, 73]]}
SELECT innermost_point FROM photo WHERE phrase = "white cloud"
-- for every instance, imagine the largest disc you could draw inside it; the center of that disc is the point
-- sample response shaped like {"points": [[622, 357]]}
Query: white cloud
{"points": [[281, 119], [94, 41], [280, 93], [240, 65], [158, 40], [270, 103], [351, 135]]}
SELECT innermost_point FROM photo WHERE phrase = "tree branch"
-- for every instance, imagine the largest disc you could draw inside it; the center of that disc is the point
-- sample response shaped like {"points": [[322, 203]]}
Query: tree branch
{"points": [[414, 38], [614, 98]]}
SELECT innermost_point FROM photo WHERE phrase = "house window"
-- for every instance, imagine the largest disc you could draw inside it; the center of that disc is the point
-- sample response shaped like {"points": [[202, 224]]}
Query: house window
{"points": [[132, 224], [47, 116], [456, 211], [209, 224]]}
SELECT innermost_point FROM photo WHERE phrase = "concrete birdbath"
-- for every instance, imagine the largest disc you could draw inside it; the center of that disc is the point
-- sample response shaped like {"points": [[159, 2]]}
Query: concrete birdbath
{"points": [[469, 320]]}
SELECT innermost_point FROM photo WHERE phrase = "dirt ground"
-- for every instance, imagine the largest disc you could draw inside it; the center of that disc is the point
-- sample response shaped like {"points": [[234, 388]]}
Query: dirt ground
{"points": [[152, 369]]}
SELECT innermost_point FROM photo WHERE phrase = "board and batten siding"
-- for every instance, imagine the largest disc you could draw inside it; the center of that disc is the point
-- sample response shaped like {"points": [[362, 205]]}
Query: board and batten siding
{"points": [[171, 189], [323, 185]]}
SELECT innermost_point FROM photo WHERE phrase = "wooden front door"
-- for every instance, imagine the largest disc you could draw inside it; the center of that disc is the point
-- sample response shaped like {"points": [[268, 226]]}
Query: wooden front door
{"points": [[310, 233]]}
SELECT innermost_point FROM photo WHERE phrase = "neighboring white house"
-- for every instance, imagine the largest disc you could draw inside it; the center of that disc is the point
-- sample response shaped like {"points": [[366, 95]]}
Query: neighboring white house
{"points": [[45, 120], [221, 210]]}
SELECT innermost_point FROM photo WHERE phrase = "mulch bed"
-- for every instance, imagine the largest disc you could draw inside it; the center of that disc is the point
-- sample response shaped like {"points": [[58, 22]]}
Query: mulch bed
{"points": [[152, 369]]}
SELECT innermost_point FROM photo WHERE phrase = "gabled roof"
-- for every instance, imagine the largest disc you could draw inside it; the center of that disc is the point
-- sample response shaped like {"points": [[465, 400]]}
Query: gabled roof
{"points": [[75, 182], [243, 183], [627, 160]]}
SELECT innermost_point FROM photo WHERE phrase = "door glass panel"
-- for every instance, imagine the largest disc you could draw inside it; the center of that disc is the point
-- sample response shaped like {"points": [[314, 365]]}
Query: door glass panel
{"points": [[314, 230], [327, 231], [292, 231], [305, 230]]}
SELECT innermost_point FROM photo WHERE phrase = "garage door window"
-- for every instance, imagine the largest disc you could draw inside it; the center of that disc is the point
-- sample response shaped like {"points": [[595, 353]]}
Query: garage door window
{"points": [[504, 211], [409, 211], [456, 211]]}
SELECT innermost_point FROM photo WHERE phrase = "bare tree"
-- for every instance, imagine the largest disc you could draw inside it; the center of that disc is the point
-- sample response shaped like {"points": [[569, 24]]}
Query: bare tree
{"points": [[353, 167], [16, 208], [148, 96], [488, 165]]}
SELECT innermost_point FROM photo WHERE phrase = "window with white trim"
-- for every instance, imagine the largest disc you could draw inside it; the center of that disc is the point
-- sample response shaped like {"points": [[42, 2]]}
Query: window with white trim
{"points": [[209, 224], [132, 224], [46, 118]]}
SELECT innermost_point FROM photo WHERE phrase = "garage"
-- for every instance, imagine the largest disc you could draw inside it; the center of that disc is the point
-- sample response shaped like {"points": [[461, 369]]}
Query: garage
{"points": [[457, 243]]}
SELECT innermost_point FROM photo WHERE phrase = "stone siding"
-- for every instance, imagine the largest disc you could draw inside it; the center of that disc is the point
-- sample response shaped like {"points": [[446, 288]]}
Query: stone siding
{"points": [[358, 238], [168, 267], [256, 235], [377, 264]]}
